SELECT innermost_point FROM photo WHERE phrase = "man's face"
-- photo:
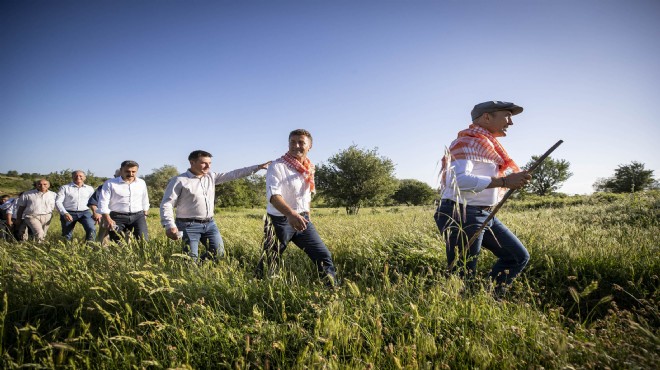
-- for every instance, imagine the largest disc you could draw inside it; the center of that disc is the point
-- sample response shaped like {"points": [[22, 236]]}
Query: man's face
{"points": [[498, 123], [4, 200], [43, 186], [129, 173], [299, 145], [200, 166], [78, 178]]}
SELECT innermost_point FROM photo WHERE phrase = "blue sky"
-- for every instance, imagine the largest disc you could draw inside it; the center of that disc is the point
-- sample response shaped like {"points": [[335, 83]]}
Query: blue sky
{"points": [[87, 84]]}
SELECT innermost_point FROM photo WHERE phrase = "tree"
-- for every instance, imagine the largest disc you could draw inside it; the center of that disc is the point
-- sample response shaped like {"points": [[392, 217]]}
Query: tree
{"points": [[355, 177], [157, 182], [548, 176], [12, 173], [414, 192], [246, 192], [628, 178]]}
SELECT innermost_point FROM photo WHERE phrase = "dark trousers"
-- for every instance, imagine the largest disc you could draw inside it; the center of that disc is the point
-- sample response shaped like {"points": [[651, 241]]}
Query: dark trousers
{"points": [[136, 223], [457, 225], [85, 219], [278, 233]]}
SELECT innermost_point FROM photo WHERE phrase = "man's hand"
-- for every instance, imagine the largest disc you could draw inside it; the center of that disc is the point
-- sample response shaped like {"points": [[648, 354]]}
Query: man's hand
{"points": [[109, 222], [96, 217], [264, 166], [517, 180], [298, 222], [68, 217], [172, 233]]}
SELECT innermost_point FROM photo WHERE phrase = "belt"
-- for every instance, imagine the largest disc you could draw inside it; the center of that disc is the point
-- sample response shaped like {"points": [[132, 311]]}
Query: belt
{"points": [[124, 213], [195, 220], [483, 208], [67, 211], [304, 214]]}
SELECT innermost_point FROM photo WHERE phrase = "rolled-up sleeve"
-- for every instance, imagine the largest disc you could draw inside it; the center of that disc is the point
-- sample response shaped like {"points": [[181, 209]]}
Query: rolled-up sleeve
{"points": [[145, 198], [466, 179], [273, 181], [169, 202], [59, 201], [104, 198]]}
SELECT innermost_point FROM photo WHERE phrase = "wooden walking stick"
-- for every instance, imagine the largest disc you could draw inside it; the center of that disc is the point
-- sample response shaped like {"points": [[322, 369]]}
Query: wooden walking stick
{"points": [[508, 194]]}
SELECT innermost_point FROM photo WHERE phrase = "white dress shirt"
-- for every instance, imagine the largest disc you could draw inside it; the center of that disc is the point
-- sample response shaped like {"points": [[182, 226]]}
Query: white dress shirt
{"points": [[36, 202], [290, 184], [466, 182], [72, 197], [119, 196], [194, 196]]}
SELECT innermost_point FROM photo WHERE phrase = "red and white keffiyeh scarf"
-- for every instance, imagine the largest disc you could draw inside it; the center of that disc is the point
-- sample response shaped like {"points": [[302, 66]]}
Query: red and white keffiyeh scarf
{"points": [[477, 144], [306, 169]]}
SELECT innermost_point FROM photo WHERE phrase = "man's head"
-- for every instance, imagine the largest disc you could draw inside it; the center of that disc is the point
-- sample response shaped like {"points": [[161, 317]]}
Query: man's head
{"points": [[42, 185], [78, 177], [200, 162], [300, 142], [128, 170], [495, 116], [4, 199]]}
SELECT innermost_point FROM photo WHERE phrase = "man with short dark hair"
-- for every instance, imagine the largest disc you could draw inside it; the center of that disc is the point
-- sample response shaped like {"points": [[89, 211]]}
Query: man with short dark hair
{"points": [[124, 203], [475, 174], [192, 193], [289, 188], [71, 202], [35, 209]]}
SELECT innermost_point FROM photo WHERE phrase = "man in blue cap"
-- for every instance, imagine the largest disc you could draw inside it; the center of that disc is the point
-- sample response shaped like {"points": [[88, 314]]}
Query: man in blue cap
{"points": [[476, 172]]}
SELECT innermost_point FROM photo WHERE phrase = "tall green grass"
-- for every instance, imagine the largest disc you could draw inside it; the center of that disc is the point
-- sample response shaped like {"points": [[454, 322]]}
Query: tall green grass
{"points": [[587, 300]]}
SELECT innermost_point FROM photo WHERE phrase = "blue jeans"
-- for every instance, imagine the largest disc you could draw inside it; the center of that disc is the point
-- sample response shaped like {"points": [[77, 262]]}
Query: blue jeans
{"points": [[458, 224], [129, 222], [207, 233], [85, 219], [308, 240]]}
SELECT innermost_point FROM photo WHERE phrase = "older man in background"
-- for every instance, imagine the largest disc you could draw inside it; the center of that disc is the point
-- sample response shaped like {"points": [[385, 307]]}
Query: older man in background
{"points": [[35, 209], [71, 202]]}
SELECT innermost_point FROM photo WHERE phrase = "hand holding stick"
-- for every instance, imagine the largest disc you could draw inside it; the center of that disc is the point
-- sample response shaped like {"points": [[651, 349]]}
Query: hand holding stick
{"points": [[511, 191]]}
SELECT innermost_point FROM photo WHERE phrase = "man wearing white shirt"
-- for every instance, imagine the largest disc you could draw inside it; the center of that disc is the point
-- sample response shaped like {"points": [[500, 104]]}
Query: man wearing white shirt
{"points": [[71, 202], [475, 173], [35, 209], [289, 188], [124, 203], [192, 193]]}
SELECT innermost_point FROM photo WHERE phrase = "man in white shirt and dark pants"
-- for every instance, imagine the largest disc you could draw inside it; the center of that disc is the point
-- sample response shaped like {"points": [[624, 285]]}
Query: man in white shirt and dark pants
{"points": [[289, 188], [35, 209], [192, 193], [124, 203], [71, 202]]}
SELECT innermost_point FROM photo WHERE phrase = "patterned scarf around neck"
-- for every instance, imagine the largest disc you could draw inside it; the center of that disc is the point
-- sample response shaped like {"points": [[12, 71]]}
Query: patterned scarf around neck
{"points": [[306, 169], [477, 144]]}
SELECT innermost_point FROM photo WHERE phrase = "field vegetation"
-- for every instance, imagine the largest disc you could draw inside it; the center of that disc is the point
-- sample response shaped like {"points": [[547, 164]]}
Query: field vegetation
{"points": [[588, 299]]}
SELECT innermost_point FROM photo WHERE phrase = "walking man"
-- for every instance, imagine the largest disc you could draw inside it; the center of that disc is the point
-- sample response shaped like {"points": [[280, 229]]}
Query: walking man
{"points": [[289, 188], [124, 203], [71, 202], [192, 193], [475, 173], [35, 209]]}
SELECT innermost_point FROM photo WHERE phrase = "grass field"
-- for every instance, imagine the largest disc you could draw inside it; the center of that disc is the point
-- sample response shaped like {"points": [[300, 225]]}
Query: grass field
{"points": [[588, 299]]}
